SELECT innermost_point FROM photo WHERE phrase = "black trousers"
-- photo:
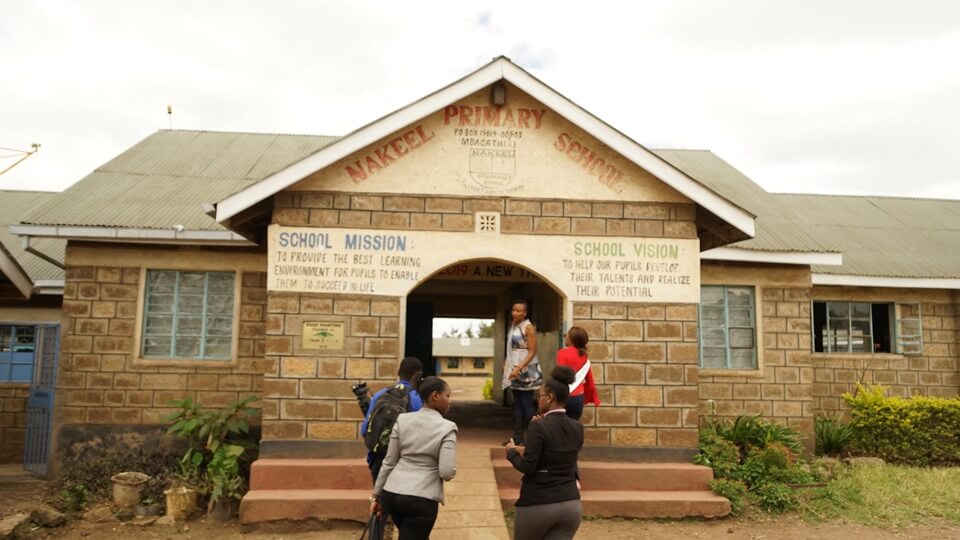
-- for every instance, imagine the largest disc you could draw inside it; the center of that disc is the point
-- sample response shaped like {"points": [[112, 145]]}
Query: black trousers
{"points": [[413, 516]]}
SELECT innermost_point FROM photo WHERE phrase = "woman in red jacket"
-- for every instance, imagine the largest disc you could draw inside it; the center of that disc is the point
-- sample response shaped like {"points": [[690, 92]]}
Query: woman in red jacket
{"points": [[574, 355]]}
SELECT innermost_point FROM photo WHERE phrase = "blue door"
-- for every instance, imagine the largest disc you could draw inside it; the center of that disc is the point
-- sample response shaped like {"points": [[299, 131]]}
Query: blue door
{"points": [[36, 455]]}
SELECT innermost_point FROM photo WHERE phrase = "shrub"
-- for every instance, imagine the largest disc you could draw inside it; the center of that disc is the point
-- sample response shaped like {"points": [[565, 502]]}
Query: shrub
{"points": [[833, 435], [488, 390], [73, 498], [717, 453], [754, 455], [917, 431], [775, 497], [734, 490], [753, 431], [218, 440]]}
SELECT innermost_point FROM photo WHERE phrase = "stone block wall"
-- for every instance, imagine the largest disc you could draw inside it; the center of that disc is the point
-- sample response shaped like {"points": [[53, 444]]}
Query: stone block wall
{"points": [[13, 421], [307, 392], [644, 360], [98, 381], [781, 389], [518, 216], [932, 373], [651, 383]]}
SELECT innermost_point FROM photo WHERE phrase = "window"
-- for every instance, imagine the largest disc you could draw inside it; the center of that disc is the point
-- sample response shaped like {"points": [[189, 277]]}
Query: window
{"points": [[909, 330], [862, 327], [453, 363], [479, 363], [188, 315], [727, 328], [17, 343]]}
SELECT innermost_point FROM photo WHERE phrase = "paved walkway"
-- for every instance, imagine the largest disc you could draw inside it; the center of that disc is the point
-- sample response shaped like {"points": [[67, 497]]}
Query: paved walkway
{"points": [[472, 510]]}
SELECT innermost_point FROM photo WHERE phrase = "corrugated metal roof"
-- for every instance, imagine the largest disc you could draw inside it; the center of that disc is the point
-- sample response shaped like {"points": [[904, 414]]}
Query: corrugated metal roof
{"points": [[13, 205], [878, 236], [463, 347], [161, 181]]}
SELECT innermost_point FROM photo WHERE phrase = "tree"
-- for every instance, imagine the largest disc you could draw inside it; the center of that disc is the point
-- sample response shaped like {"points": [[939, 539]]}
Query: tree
{"points": [[485, 329]]}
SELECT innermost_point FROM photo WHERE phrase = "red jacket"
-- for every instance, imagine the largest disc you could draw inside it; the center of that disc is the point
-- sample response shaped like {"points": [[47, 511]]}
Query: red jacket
{"points": [[570, 357]]}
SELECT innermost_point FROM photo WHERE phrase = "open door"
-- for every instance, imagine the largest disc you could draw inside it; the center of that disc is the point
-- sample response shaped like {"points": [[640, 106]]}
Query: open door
{"points": [[419, 335]]}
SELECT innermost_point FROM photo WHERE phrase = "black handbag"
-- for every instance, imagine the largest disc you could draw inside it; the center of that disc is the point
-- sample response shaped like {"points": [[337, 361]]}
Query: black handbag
{"points": [[375, 528]]}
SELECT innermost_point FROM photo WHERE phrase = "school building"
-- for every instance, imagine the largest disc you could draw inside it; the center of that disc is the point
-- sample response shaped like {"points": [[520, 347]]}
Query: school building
{"points": [[218, 265]]}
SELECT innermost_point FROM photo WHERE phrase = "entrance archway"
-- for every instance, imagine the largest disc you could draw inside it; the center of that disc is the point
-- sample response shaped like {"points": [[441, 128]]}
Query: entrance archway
{"points": [[481, 289]]}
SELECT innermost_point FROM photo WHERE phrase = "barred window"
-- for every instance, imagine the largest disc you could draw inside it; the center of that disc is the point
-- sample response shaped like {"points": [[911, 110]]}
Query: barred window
{"points": [[727, 328], [17, 343], [867, 327], [188, 315]]}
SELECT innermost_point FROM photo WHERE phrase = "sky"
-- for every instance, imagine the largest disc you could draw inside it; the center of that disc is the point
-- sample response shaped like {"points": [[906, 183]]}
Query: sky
{"points": [[838, 96]]}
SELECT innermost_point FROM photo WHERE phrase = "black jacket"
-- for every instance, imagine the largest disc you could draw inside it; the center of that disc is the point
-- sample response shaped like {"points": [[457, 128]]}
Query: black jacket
{"points": [[549, 460]]}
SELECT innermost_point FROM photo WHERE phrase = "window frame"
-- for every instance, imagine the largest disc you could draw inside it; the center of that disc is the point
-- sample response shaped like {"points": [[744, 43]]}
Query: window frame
{"points": [[481, 361], [453, 363], [14, 357], [168, 361], [896, 341], [756, 326]]}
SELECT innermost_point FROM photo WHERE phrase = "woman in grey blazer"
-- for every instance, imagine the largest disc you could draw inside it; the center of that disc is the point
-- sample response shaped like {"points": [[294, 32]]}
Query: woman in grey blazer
{"points": [[421, 456]]}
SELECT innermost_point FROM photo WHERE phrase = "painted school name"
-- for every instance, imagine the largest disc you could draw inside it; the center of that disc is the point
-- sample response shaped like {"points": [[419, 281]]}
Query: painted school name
{"points": [[388, 154]]}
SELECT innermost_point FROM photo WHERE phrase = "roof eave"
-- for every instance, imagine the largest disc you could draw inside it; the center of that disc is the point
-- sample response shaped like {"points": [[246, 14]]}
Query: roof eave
{"points": [[733, 254], [132, 235], [500, 68], [15, 273], [851, 280], [52, 287]]}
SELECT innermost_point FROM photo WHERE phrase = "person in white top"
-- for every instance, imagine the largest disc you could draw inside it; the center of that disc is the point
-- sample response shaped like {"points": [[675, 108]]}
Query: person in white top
{"points": [[521, 369]]}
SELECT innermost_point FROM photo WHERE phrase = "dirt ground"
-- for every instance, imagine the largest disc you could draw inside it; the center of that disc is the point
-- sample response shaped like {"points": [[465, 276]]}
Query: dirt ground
{"points": [[19, 496]]}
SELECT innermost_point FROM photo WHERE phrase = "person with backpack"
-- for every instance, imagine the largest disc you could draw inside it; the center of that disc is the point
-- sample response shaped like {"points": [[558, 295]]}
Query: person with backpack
{"points": [[385, 406], [421, 456]]}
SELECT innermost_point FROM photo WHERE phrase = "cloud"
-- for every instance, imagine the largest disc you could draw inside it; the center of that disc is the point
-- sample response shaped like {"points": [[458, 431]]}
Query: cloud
{"points": [[854, 96]]}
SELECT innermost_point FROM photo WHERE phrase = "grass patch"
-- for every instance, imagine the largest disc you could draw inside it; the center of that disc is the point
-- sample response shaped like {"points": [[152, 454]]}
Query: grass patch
{"points": [[890, 496]]}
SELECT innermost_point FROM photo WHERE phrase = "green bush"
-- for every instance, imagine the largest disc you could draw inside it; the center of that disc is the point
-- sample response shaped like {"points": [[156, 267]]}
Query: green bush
{"points": [[734, 490], [217, 443], [833, 435], [753, 431], [488, 390], [917, 431], [759, 456], [717, 453], [73, 498], [775, 497]]}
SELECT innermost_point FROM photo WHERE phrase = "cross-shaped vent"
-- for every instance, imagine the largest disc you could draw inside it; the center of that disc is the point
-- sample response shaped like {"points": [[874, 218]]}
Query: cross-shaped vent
{"points": [[488, 222]]}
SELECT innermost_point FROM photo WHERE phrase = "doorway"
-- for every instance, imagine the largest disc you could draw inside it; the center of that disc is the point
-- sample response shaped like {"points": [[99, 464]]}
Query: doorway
{"points": [[482, 289]]}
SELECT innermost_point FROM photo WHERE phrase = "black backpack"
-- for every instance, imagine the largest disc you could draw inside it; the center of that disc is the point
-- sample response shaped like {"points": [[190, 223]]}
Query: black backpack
{"points": [[388, 407]]}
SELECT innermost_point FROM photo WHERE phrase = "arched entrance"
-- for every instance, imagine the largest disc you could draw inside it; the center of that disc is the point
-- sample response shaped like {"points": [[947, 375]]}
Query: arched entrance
{"points": [[480, 289]]}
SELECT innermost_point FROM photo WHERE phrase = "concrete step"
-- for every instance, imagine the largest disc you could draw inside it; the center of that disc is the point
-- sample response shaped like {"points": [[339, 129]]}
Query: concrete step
{"points": [[642, 504], [601, 475], [260, 506], [273, 473]]}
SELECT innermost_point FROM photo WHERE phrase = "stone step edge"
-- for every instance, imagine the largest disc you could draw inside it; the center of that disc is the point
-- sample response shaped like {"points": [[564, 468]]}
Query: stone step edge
{"points": [[499, 463]]}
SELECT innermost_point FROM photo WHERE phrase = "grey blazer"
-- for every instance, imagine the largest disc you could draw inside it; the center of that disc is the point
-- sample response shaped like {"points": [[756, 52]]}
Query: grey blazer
{"points": [[422, 454]]}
